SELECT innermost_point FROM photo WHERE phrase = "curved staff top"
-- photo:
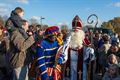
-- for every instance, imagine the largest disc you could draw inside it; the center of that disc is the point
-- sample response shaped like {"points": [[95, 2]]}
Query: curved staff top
{"points": [[90, 22]]}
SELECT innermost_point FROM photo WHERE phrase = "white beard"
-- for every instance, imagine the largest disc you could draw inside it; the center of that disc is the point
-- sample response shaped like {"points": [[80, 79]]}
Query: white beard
{"points": [[77, 39]]}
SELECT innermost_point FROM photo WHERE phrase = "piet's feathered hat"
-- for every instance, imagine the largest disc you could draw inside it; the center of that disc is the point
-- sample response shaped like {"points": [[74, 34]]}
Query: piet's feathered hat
{"points": [[53, 30], [76, 22]]}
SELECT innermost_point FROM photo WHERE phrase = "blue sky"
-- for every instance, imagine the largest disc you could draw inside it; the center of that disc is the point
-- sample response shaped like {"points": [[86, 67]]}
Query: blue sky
{"points": [[63, 11]]}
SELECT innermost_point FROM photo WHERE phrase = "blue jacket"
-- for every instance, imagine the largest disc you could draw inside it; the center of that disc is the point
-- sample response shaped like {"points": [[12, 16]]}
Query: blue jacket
{"points": [[46, 52]]}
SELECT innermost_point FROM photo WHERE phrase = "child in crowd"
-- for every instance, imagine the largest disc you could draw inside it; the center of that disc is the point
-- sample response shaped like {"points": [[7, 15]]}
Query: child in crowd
{"points": [[16, 21], [112, 73]]}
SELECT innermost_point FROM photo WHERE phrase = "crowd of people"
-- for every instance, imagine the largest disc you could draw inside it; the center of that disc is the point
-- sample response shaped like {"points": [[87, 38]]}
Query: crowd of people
{"points": [[34, 52]]}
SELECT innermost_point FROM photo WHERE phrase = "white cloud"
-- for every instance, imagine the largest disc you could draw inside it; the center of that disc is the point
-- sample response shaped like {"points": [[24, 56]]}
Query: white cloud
{"points": [[66, 23], [5, 5], [59, 24], [63, 23], [4, 11], [23, 1], [35, 17], [4, 8], [117, 4]]}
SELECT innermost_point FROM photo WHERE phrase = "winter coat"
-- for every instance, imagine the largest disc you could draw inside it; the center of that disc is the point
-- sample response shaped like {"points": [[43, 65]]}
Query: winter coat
{"points": [[4, 47], [18, 49]]}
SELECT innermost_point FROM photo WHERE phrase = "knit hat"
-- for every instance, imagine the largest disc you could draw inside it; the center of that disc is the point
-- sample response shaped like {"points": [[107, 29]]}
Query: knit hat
{"points": [[76, 23], [53, 30]]}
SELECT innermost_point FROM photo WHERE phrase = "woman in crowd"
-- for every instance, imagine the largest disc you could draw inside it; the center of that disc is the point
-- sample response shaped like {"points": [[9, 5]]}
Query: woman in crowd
{"points": [[4, 47]]}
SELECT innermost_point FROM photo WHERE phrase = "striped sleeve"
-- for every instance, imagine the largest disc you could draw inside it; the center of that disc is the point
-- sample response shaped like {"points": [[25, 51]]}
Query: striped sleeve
{"points": [[61, 59], [41, 63]]}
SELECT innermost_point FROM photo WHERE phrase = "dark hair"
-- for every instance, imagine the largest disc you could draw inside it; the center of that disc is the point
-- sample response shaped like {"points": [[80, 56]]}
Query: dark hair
{"points": [[59, 34], [18, 10], [24, 22], [39, 26], [115, 44]]}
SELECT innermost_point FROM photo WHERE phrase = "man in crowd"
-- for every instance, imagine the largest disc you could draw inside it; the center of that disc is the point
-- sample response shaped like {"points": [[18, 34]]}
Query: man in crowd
{"points": [[46, 56], [74, 64], [19, 57], [19, 44]]}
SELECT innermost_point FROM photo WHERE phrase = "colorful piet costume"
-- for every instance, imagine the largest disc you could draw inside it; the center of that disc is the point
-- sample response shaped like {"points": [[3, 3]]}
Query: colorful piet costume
{"points": [[46, 57]]}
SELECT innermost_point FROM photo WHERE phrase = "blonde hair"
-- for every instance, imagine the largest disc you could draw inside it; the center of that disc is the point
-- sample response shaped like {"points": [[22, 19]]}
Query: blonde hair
{"points": [[113, 56]]}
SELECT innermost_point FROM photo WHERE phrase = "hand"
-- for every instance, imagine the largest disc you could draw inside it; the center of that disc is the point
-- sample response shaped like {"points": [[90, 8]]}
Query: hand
{"points": [[30, 33]]}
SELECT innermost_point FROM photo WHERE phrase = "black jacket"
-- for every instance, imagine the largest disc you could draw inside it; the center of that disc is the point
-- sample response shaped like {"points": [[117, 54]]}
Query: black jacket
{"points": [[15, 22]]}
